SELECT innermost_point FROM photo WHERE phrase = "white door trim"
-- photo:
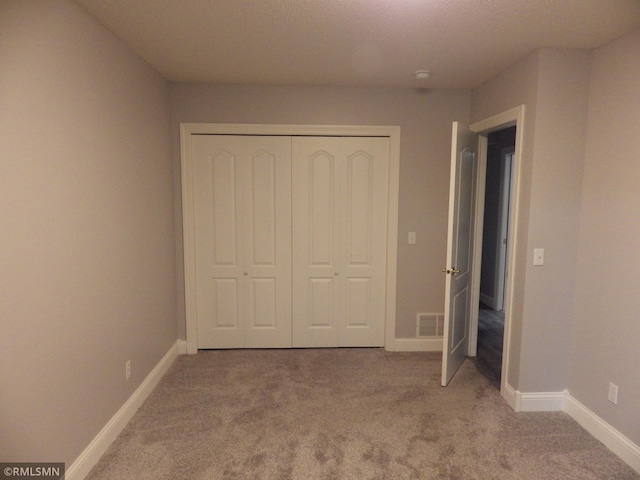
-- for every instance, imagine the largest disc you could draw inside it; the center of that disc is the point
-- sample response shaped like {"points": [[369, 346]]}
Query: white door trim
{"points": [[506, 161], [188, 230], [514, 116]]}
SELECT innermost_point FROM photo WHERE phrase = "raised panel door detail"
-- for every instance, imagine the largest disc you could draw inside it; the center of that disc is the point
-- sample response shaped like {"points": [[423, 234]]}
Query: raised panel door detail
{"points": [[316, 239], [267, 237], [321, 207], [225, 295], [242, 196], [346, 202], [263, 204], [218, 218], [358, 303], [219, 304], [222, 175], [458, 317], [264, 303], [320, 303], [365, 227], [359, 207]]}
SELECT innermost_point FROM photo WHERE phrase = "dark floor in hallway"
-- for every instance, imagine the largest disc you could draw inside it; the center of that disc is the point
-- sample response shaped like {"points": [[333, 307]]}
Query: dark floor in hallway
{"points": [[490, 335]]}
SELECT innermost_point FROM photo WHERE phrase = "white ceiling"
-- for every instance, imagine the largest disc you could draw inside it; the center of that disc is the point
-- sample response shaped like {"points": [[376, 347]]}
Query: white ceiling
{"points": [[366, 43]]}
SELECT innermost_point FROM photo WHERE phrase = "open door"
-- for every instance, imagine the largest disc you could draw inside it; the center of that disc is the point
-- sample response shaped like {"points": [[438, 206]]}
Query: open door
{"points": [[460, 236]]}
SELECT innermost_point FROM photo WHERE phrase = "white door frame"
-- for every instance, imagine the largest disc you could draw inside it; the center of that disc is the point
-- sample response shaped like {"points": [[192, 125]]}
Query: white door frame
{"points": [[188, 224], [514, 116], [506, 162]]}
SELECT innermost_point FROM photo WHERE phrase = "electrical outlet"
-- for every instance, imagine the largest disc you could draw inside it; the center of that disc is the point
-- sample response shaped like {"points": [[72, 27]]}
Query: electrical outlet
{"points": [[613, 393], [127, 370]]}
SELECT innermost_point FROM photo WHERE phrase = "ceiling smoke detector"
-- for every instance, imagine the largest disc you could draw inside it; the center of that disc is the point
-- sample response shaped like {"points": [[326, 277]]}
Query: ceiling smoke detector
{"points": [[422, 74]]}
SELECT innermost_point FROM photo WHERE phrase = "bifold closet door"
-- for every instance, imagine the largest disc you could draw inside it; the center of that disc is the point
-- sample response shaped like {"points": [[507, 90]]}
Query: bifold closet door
{"points": [[340, 198], [242, 198]]}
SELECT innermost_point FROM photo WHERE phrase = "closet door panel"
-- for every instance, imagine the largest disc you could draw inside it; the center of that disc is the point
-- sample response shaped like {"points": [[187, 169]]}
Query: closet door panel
{"points": [[316, 241], [359, 209], [262, 208], [267, 236], [320, 183], [242, 197], [339, 226], [221, 174], [365, 220], [320, 312], [264, 313], [218, 218]]}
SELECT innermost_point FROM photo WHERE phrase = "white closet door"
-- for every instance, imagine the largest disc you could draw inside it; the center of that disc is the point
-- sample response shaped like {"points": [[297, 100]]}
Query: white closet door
{"points": [[340, 190], [242, 197]]}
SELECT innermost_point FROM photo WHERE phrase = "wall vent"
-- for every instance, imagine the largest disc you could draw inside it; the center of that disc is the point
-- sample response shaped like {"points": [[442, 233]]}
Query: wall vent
{"points": [[429, 324]]}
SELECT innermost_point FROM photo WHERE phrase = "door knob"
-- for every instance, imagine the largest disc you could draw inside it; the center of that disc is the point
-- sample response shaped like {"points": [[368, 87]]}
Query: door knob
{"points": [[452, 271]]}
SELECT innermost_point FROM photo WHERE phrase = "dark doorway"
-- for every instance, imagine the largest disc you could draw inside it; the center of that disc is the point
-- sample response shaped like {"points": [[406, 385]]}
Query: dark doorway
{"points": [[495, 244]]}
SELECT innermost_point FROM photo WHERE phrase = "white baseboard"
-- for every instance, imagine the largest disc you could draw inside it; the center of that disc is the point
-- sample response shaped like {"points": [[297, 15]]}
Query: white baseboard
{"points": [[510, 396], [415, 345], [98, 446], [615, 441], [182, 347], [533, 401], [539, 401], [596, 426]]}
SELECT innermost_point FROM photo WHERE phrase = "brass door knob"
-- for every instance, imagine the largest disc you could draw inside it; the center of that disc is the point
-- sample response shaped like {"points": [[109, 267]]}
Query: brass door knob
{"points": [[452, 271]]}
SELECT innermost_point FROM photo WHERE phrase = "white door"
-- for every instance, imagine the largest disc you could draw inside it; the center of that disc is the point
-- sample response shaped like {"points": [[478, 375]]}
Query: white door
{"points": [[459, 250], [340, 192], [242, 219]]}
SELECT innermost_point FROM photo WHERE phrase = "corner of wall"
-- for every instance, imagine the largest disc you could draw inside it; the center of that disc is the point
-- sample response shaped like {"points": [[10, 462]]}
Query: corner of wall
{"points": [[81, 467], [615, 441]]}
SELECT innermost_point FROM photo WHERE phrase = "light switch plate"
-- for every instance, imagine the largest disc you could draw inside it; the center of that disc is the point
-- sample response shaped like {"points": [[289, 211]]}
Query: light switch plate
{"points": [[538, 256], [613, 393]]}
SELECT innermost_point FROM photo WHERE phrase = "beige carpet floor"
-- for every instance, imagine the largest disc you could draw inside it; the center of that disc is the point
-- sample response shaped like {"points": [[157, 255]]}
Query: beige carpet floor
{"points": [[343, 414]]}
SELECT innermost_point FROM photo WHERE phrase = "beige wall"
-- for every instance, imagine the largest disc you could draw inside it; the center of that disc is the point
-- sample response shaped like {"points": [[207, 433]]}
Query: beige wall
{"points": [[425, 118], [511, 88], [606, 322], [556, 185], [553, 86], [86, 251], [576, 320]]}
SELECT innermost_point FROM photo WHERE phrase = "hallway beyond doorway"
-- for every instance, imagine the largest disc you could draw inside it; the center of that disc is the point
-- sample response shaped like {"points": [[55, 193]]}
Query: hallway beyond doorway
{"points": [[490, 337]]}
